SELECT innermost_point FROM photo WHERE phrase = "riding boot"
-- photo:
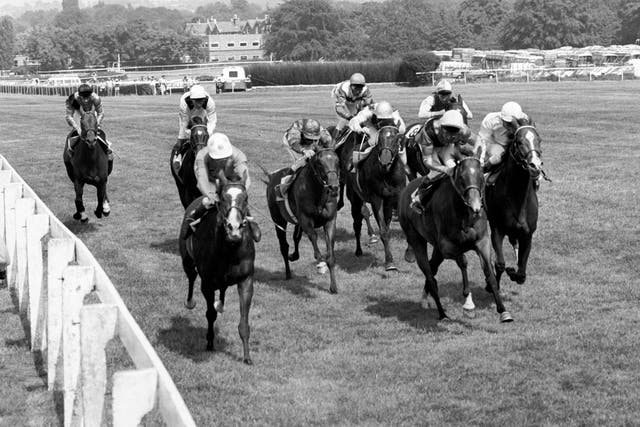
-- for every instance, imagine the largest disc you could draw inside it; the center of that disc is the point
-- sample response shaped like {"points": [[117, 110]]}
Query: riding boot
{"points": [[194, 216], [69, 167], [256, 234], [178, 147], [420, 195], [284, 185], [73, 141]]}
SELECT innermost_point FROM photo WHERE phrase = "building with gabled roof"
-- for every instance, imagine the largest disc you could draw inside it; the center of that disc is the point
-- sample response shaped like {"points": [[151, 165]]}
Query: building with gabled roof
{"points": [[233, 40]]}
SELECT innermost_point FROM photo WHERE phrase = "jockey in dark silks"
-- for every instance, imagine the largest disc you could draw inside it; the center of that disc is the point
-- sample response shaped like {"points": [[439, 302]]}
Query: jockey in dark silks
{"points": [[436, 104], [219, 155], [446, 141], [80, 102]]}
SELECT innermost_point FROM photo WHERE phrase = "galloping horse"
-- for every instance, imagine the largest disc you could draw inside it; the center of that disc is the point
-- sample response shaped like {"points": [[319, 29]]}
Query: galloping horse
{"points": [[512, 202], [414, 154], [88, 164], [378, 180], [311, 203], [185, 178], [453, 222], [222, 252]]}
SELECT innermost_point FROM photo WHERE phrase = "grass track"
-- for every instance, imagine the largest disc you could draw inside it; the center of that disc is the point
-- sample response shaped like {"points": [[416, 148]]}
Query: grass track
{"points": [[371, 355]]}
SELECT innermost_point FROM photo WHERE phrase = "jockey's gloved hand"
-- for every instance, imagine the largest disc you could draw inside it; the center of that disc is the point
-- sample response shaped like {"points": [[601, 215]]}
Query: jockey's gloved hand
{"points": [[308, 153], [78, 130]]}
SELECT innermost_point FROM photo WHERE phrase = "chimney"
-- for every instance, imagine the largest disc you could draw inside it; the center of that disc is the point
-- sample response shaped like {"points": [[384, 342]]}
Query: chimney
{"points": [[235, 19]]}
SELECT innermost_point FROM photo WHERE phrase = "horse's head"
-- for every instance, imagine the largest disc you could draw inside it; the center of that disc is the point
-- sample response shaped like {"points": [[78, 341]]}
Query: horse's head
{"points": [[468, 181], [233, 208], [388, 145], [89, 128], [525, 148], [326, 169], [454, 103], [199, 134]]}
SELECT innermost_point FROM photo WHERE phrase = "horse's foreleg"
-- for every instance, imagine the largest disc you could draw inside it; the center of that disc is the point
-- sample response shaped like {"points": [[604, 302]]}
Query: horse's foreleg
{"points": [[306, 225], [297, 235], [106, 207], [496, 242], [430, 284], [189, 267], [245, 294], [329, 238], [366, 214], [483, 249], [209, 294], [101, 191], [524, 249], [219, 304], [381, 213], [468, 300], [356, 214], [281, 233], [80, 213], [341, 195]]}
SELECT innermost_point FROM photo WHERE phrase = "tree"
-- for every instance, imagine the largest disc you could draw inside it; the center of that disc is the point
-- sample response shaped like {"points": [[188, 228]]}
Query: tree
{"points": [[7, 42], [303, 30], [549, 24], [630, 22], [481, 22]]}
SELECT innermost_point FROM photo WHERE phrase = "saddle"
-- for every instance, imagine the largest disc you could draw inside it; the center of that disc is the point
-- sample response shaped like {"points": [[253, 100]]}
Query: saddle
{"points": [[423, 193], [281, 196]]}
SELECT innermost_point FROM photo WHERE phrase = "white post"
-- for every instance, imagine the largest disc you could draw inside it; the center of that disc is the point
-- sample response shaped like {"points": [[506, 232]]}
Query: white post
{"points": [[12, 192], [37, 228], [97, 327], [24, 208], [134, 395], [60, 252], [77, 282]]}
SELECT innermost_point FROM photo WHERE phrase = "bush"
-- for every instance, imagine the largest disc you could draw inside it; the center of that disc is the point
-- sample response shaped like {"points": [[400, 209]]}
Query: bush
{"points": [[299, 73], [419, 61]]}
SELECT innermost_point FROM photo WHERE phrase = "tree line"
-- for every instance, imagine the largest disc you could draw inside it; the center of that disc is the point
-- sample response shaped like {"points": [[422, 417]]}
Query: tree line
{"points": [[311, 30]]}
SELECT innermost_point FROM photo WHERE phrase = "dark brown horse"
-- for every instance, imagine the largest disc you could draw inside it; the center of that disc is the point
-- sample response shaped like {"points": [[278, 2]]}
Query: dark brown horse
{"points": [[312, 203], [378, 181], [414, 155], [89, 164], [221, 251], [512, 202], [185, 178], [453, 222]]}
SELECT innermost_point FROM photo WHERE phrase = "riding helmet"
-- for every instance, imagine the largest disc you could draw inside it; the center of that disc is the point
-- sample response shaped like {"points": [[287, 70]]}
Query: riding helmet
{"points": [[219, 146], [444, 86], [452, 119], [511, 110], [197, 92], [357, 79], [85, 89], [383, 110], [311, 129]]}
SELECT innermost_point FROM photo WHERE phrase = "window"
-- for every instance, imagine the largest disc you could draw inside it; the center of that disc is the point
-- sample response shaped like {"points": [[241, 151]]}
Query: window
{"points": [[233, 74], [231, 44], [255, 44], [243, 43], [231, 58], [213, 59], [215, 44], [243, 57], [256, 57]]}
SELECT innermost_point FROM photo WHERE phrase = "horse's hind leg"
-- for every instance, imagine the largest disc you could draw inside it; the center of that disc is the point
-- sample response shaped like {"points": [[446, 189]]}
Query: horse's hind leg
{"points": [[80, 214], [430, 284], [329, 237], [245, 293], [297, 235], [524, 249], [281, 233], [468, 300]]}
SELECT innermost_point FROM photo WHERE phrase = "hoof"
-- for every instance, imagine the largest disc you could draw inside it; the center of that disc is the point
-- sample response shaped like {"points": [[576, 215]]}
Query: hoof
{"points": [[373, 239], [468, 303], [390, 267], [106, 209], [294, 256], [505, 317], [469, 314], [98, 213], [210, 347], [322, 268], [333, 290], [218, 306], [247, 361], [358, 252], [409, 256], [81, 216], [190, 304]]}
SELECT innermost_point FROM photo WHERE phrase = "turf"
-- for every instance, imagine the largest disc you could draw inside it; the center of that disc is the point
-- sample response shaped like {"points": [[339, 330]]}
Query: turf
{"points": [[372, 354]]}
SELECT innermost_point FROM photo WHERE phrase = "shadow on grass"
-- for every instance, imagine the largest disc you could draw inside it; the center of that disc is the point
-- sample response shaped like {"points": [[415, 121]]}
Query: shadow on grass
{"points": [[298, 285], [78, 228], [191, 341], [408, 312], [169, 246]]}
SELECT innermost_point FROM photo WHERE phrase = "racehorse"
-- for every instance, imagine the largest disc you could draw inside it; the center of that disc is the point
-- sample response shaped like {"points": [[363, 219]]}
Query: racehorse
{"points": [[377, 180], [512, 202], [89, 164], [312, 202], [414, 154], [453, 222], [185, 178], [221, 251]]}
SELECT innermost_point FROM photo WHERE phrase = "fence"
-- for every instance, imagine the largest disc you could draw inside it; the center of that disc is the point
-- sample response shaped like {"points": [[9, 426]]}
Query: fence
{"points": [[51, 272]]}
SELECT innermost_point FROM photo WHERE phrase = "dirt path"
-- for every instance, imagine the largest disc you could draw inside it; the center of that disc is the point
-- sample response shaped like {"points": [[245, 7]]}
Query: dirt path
{"points": [[24, 398]]}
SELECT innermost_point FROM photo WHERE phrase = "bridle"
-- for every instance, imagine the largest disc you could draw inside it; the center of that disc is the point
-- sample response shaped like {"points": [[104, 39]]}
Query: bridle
{"points": [[521, 159], [323, 180], [393, 152], [224, 209], [464, 191], [194, 145], [85, 130]]}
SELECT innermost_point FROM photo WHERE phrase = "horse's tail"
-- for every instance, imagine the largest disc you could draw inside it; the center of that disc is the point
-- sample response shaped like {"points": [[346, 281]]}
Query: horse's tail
{"points": [[265, 172]]}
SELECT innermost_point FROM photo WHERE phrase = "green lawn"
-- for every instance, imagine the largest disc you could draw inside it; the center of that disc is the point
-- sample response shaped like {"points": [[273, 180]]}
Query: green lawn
{"points": [[372, 355]]}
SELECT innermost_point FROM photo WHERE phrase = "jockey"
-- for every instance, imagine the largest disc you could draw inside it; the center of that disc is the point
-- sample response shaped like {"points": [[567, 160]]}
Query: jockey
{"points": [[497, 130], [369, 121], [195, 102], [82, 101], [351, 97], [303, 139], [219, 155], [450, 140], [435, 104]]}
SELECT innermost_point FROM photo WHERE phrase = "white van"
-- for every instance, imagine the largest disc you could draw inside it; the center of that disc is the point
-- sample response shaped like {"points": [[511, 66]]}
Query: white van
{"points": [[232, 78], [64, 80]]}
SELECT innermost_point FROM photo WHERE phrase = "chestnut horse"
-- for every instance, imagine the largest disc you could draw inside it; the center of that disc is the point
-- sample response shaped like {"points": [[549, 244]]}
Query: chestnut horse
{"points": [[312, 199], [512, 202], [222, 252], [453, 222]]}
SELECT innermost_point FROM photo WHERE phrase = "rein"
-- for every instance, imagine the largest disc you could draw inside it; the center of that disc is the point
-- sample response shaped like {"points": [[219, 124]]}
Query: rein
{"points": [[464, 191], [522, 160]]}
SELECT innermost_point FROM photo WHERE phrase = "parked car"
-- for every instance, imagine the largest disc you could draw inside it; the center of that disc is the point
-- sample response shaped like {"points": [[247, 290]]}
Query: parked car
{"points": [[231, 79]]}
